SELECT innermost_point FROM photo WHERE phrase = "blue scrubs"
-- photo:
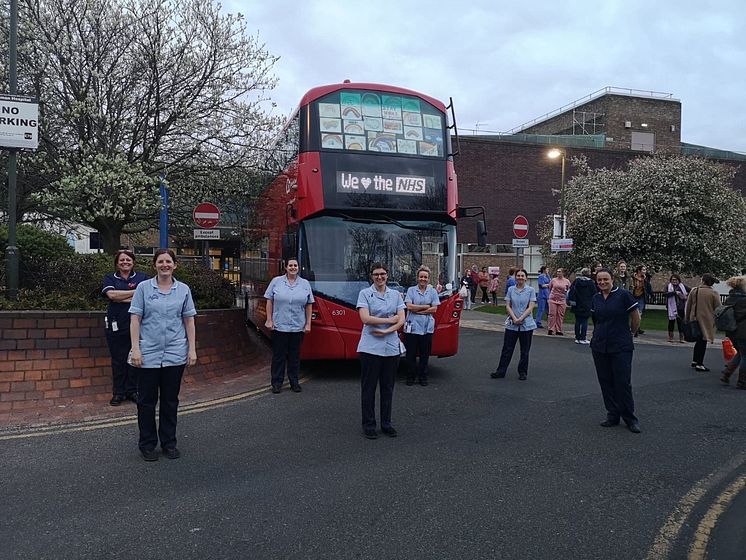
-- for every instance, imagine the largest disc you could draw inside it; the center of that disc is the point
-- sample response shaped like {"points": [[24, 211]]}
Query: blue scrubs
{"points": [[379, 355], [542, 298], [418, 332], [124, 376], [612, 348], [289, 301], [523, 333]]}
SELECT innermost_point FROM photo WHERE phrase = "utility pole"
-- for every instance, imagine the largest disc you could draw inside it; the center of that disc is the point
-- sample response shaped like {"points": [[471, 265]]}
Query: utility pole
{"points": [[11, 251]]}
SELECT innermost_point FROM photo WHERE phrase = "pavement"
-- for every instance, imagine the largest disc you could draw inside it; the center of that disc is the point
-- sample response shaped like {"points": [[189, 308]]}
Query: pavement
{"points": [[254, 378]]}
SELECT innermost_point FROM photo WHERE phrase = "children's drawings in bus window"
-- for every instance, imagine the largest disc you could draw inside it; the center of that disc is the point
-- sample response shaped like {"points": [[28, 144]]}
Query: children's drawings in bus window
{"points": [[381, 142], [413, 133], [329, 110], [333, 141], [434, 139], [354, 127], [350, 105], [354, 142], [391, 107], [393, 126], [331, 125], [371, 105], [407, 146], [412, 119], [433, 121], [409, 104], [373, 124], [428, 149]]}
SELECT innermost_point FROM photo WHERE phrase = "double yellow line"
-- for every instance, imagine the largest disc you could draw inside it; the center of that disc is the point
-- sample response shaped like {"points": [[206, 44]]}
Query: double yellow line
{"points": [[669, 532], [101, 424]]}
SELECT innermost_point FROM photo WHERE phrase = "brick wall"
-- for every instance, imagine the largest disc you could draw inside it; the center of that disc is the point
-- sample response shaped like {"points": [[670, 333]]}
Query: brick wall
{"points": [[50, 358], [511, 178]]}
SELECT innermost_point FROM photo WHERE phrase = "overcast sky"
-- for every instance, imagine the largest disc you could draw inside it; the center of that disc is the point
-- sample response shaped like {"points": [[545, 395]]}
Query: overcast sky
{"points": [[507, 62]]}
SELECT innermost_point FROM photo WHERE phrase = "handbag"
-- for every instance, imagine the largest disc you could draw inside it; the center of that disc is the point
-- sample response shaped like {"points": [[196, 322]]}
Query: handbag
{"points": [[692, 330], [402, 349]]}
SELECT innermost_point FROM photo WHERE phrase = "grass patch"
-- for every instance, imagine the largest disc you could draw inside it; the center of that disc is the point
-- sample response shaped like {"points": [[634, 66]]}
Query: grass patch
{"points": [[652, 319]]}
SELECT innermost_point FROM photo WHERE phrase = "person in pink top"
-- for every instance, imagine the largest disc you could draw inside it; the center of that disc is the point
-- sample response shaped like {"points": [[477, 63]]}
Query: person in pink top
{"points": [[557, 302]]}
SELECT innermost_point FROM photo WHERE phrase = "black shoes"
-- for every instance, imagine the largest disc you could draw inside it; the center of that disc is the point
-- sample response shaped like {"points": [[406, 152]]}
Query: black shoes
{"points": [[276, 389], [522, 376], [423, 382], [389, 431], [609, 423], [171, 453], [370, 433], [149, 454], [497, 375], [700, 367], [296, 388], [634, 427], [410, 382], [116, 400], [132, 397]]}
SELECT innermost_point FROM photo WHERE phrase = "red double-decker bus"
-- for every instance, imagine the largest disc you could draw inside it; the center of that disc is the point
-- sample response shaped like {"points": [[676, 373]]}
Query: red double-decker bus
{"points": [[367, 176]]}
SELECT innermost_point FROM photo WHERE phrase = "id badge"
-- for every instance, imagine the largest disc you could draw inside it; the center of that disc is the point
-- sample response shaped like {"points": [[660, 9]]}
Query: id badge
{"points": [[408, 327], [114, 326]]}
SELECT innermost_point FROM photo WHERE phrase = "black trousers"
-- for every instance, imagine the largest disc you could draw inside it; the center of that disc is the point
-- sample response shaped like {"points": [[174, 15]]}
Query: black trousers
{"points": [[614, 373], [509, 341], [151, 382], [700, 347], [124, 376], [286, 353], [485, 297], [374, 371], [418, 344]]}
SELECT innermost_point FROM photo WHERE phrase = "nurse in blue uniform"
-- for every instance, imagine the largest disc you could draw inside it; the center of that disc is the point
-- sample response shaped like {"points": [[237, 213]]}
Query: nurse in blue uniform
{"points": [[422, 303], [613, 309], [119, 287], [289, 298], [381, 311]]}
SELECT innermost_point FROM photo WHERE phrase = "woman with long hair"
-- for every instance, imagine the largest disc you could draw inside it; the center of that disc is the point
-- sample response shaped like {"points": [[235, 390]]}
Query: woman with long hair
{"points": [[676, 295], [700, 307]]}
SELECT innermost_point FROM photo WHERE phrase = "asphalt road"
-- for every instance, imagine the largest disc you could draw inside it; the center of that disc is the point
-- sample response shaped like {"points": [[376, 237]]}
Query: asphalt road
{"points": [[482, 468]]}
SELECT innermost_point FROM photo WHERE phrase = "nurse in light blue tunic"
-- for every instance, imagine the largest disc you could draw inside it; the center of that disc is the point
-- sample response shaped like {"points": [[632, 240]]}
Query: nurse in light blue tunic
{"points": [[422, 303], [381, 311], [289, 302]]}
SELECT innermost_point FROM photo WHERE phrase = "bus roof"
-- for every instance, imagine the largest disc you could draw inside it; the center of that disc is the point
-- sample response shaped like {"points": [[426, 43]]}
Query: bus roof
{"points": [[320, 91]]}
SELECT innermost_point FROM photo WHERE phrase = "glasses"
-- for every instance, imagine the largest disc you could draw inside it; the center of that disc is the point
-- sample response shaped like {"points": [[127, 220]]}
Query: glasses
{"points": [[380, 274]]}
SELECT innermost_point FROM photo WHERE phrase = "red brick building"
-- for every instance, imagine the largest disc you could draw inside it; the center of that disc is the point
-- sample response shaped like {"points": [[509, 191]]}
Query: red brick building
{"points": [[511, 174]]}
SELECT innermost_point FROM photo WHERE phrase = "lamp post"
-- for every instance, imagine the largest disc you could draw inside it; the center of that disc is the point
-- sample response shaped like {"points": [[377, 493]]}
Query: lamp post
{"points": [[554, 153]]}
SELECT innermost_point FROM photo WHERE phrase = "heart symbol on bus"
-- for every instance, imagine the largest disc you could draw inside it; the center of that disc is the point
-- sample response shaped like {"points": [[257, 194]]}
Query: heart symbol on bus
{"points": [[366, 182]]}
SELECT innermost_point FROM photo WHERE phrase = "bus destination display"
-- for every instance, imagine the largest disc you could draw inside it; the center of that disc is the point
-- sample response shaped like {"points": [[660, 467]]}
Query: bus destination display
{"points": [[381, 183]]}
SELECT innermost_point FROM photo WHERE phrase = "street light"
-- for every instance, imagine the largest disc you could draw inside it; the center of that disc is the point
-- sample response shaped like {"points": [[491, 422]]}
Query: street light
{"points": [[554, 153]]}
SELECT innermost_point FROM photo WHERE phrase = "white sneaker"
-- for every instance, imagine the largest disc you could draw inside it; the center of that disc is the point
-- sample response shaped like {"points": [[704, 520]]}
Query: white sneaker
{"points": [[585, 342], [578, 341]]}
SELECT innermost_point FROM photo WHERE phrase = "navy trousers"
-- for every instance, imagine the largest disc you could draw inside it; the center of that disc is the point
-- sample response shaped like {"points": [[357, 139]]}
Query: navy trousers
{"points": [[124, 376], [286, 353], [418, 344], [152, 383], [509, 341], [614, 373], [375, 371]]}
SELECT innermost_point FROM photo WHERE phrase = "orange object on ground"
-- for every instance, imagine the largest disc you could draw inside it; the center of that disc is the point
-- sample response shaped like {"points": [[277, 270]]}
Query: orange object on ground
{"points": [[728, 350]]}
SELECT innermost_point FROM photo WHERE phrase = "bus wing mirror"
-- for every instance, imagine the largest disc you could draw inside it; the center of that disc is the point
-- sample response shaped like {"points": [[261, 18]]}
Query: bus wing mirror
{"points": [[288, 246], [481, 233]]}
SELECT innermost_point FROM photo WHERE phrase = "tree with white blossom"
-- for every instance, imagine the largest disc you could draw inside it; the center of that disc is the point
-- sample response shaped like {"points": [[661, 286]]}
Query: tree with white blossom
{"points": [[671, 213], [134, 90]]}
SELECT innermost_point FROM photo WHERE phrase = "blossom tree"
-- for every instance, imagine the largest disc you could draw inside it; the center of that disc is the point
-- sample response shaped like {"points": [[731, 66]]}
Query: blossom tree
{"points": [[134, 90], [667, 212]]}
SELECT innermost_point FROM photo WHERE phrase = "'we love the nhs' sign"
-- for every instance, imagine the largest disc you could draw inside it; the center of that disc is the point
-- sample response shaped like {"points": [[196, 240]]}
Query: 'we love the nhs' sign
{"points": [[382, 183]]}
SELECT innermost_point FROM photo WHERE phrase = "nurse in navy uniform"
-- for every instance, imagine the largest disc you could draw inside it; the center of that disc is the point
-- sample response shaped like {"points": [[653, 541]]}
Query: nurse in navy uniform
{"points": [[119, 286], [613, 309]]}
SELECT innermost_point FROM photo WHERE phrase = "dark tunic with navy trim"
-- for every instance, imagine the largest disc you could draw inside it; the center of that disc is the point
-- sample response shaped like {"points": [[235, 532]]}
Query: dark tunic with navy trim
{"points": [[118, 313], [611, 332]]}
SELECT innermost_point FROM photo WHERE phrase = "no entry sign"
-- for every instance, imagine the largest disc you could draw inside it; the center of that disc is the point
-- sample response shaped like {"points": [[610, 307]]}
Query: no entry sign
{"points": [[520, 227], [206, 215]]}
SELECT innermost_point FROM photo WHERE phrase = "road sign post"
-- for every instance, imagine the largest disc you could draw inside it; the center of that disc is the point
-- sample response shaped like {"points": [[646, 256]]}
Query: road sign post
{"points": [[206, 215], [520, 236]]}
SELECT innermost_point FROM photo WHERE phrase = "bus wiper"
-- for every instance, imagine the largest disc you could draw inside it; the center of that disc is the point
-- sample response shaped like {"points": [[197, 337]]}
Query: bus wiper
{"points": [[397, 223]]}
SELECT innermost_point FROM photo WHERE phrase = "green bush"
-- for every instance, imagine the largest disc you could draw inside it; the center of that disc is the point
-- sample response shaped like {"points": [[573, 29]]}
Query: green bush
{"points": [[73, 282], [35, 242]]}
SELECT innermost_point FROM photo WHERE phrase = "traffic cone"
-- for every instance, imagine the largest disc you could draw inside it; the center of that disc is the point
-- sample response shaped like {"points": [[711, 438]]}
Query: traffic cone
{"points": [[728, 350]]}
